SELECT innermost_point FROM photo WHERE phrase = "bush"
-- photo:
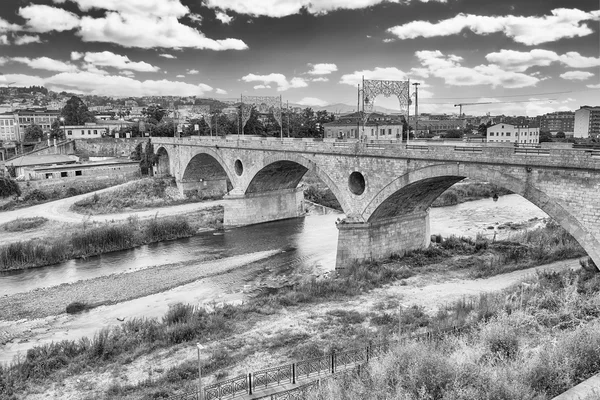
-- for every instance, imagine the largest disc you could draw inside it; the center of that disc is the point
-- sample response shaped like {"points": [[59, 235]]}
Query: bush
{"points": [[9, 187], [76, 307], [35, 195], [24, 224]]}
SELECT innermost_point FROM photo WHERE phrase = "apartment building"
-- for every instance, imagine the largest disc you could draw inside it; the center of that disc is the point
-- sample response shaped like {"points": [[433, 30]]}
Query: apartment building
{"points": [[508, 133]]}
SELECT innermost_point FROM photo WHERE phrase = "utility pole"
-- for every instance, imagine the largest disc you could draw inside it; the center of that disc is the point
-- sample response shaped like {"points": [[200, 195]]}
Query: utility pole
{"points": [[416, 85], [288, 115], [408, 114]]}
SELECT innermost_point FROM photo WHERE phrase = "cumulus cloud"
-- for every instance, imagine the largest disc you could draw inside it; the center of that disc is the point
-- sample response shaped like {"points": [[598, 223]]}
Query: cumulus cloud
{"points": [[449, 68], [283, 8], [193, 72], [4, 40], [257, 87], [126, 23], [576, 75], [385, 73], [42, 18], [595, 86], [220, 91], [279, 79], [322, 69], [27, 39], [45, 63], [224, 18], [312, 101], [532, 30], [165, 55], [6, 26], [320, 79], [109, 59], [180, 76], [521, 61], [23, 80]]}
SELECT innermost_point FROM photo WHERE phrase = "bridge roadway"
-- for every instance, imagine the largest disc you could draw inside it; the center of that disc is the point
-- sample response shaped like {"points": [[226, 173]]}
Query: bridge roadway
{"points": [[385, 189]]}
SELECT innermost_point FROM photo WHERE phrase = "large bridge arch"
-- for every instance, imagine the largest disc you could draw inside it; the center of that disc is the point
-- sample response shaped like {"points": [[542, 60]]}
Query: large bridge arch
{"points": [[206, 173], [284, 171], [163, 162], [414, 192]]}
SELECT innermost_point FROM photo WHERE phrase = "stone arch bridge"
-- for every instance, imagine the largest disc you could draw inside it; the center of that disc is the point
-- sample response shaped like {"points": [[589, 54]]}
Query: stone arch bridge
{"points": [[385, 190]]}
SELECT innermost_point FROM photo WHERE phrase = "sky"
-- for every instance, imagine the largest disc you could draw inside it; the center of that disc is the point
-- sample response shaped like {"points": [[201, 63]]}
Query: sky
{"points": [[524, 56]]}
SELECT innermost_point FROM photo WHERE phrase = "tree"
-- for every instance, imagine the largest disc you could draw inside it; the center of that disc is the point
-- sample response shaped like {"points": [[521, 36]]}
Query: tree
{"points": [[56, 131], [545, 136], [155, 113], [33, 133], [9, 187], [560, 135], [254, 126], [453, 134], [75, 112]]}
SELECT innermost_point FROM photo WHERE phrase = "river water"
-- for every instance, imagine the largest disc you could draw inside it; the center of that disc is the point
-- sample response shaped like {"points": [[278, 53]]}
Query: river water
{"points": [[264, 254]]}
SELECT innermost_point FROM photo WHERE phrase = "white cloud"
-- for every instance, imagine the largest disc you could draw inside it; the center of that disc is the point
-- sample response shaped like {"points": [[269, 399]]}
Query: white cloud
{"points": [[196, 18], [128, 74], [256, 87], [115, 85], [283, 8], [220, 91], [279, 79], [320, 79], [385, 73], [165, 55], [4, 40], [224, 18], [193, 71], [520, 61], [180, 76], [322, 69], [533, 30], [312, 101], [449, 68], [108, 59], [42, 18], [27, 39], [576, 75], [24, 80], [6, 26], [45, 63], [126, 23], [595, 86]]}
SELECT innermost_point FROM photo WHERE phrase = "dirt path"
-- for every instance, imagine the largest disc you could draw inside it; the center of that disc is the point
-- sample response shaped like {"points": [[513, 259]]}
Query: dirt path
{"points": [[59, 210]]}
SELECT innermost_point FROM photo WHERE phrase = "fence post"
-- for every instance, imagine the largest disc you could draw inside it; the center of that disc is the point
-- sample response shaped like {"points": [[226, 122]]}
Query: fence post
{"points": [[293, 373], [333, 361], [249, 382], [368, 353]]}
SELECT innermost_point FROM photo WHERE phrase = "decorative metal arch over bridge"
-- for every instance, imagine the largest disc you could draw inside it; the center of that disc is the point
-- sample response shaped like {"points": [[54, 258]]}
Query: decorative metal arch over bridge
{"points": [[264, 105]]}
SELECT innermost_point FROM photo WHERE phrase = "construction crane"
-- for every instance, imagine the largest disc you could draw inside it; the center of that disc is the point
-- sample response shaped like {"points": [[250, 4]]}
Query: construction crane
{"points": [[460, 113]]}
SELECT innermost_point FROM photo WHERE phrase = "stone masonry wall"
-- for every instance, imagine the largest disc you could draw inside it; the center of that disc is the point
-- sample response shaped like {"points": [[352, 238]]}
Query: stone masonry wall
{"points": [[263, 207], [107, 147]]}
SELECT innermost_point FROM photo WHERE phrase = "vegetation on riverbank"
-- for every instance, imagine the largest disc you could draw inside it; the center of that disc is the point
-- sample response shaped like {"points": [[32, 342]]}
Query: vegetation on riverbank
{"points": [[187, 324], [317, 192], [39, 196], [24, 224], [142, 194], [84, 240], [525, 344]]}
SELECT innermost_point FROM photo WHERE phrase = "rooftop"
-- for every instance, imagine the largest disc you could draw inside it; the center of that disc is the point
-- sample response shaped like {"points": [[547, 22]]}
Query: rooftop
{"points": [[45, 159]]}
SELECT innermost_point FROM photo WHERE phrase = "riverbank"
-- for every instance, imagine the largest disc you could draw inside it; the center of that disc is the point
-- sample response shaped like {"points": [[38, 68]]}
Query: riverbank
{"points": [[93, 238]]}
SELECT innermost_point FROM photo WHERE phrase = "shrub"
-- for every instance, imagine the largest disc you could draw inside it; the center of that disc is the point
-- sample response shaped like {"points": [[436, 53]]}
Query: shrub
{"points": [[9, 187], [24, 224], [76, 307], [35, 195], [178, 313]]}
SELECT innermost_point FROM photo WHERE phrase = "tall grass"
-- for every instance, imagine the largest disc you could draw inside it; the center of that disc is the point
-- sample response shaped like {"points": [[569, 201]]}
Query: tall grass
{"points": [[91, 241], [24, 224]]}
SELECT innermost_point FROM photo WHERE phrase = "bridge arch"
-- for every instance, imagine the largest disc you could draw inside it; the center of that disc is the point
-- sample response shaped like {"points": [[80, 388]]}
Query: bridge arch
{"points": [[207, 171], [284, 171], [416, 190], [163, 162]]}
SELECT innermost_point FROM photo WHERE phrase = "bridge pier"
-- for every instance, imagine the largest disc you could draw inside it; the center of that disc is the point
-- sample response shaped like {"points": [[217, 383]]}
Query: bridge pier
{"points": [[255, 208], [366, 241], [203, 187]]}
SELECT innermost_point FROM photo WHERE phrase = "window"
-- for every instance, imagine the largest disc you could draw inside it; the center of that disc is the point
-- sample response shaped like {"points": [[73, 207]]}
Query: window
{"points": [[507, 133], [89, 131], [382, 131], [69, 133], [78, 173], [390, 131], [64, 174], [49, 175], [95, 132]]}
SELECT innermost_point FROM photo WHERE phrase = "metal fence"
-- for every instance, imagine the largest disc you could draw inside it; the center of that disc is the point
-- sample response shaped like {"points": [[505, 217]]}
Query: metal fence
{"points": [[318, 369]]}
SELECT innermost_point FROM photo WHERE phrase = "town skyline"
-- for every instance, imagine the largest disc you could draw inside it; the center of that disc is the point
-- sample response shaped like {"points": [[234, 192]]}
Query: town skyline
{"points": [[530, 57]]}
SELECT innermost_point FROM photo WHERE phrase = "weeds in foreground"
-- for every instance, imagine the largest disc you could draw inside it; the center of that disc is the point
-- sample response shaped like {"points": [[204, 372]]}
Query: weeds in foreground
{"points": [[24, 224]]}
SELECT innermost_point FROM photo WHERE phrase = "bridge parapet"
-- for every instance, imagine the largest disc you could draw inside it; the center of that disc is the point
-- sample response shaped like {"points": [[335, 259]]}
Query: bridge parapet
{"points": [[459, 152]]}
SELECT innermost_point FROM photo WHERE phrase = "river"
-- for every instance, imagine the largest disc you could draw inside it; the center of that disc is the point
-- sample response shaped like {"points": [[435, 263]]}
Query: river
{"points": [[298, 247]]}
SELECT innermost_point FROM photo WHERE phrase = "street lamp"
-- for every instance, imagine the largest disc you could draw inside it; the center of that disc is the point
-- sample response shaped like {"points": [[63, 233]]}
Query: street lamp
{"points": [[200, 394], [62, 119]]}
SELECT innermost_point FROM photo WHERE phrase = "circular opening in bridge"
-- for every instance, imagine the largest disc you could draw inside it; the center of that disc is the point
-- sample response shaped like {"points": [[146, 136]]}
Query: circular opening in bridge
{"points": [[356, 183], [239, 167]]}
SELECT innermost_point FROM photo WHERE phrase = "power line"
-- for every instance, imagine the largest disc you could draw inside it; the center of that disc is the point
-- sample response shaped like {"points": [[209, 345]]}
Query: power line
{"points": [[503, 102]]}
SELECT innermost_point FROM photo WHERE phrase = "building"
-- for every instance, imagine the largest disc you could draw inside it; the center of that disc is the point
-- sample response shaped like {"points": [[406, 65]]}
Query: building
{"points": [[587, 122], [377, 127], [88, 131], [107, 169], [25, 163], [560, 121], [508, 133], [45, 119], [435, 126], [9, 128]]}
